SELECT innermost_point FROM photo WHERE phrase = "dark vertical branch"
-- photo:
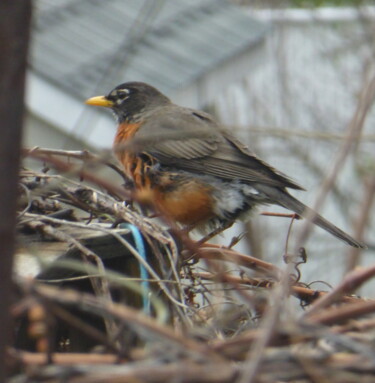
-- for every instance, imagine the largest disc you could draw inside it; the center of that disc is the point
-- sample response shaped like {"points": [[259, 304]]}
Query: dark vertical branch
{"points": [[14, 35]]}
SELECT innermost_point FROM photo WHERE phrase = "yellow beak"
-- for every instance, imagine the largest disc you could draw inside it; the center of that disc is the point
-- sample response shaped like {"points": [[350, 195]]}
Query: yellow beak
{"points": [[99, 101]]}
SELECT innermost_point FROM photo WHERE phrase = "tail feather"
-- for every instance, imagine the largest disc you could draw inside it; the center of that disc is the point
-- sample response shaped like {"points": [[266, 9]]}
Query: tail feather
{"points": [[286, 200]]}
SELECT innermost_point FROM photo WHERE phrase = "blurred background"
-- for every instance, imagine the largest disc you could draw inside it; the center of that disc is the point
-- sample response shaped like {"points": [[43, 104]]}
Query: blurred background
{"points": [[287, 77]]}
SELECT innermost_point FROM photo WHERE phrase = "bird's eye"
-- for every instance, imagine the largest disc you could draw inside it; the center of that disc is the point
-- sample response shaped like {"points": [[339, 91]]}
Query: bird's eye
{"points": [[122, 93], [119, 94]]}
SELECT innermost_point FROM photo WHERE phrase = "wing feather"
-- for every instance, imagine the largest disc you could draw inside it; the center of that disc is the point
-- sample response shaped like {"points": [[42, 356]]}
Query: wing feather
{"points": [[193, 141]]}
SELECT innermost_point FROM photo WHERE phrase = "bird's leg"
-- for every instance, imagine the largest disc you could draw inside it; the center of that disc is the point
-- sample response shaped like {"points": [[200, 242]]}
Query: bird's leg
{"points": [[283, 215], [215, 232]]}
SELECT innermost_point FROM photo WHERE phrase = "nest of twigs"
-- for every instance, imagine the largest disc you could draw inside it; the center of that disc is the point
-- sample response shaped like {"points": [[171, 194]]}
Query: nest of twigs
{"points": [[121, 297]]}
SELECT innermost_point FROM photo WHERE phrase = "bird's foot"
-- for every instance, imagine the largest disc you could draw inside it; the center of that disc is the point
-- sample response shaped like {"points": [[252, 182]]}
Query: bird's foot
{"points": [[215, 232]]}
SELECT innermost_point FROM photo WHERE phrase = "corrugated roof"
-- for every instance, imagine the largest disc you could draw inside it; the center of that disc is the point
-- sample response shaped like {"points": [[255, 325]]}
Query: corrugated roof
{"points": [[84, 45]]}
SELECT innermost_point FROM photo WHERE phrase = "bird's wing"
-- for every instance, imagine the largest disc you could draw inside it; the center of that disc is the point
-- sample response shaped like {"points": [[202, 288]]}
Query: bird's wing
{"points": [[177, 133], [258, 163], [191, 140]]}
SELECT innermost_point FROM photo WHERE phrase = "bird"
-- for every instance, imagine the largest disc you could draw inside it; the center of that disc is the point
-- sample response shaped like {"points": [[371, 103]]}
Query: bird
{"points": [[190, 168]]}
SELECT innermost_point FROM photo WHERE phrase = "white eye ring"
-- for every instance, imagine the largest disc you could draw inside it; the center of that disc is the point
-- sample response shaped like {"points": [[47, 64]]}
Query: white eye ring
{"points": [[120, 95], [122, 92]]}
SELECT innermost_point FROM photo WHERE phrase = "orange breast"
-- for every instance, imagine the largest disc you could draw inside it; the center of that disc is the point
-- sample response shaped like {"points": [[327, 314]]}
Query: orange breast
{"points": [[189, 203], [183, 199], [125, 132]]}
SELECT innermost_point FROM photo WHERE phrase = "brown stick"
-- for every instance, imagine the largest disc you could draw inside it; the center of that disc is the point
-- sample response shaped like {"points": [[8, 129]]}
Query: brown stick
{"points": [[214, 252], [362, 220], [342, 313], [350, 283], [304, 293], [83, 155]]}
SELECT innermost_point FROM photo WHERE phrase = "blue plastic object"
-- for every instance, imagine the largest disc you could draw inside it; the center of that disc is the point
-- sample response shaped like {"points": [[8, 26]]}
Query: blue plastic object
{"points": [[139, 244]]}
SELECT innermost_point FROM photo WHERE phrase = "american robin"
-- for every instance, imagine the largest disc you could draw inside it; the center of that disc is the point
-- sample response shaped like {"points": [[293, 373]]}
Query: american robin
{"points": [[190, 167]]}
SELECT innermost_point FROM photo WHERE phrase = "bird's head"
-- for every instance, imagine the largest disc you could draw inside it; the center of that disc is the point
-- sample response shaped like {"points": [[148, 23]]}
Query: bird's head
{"points": [[129, 100]]}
